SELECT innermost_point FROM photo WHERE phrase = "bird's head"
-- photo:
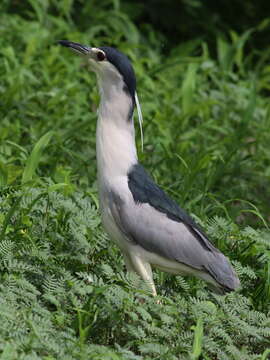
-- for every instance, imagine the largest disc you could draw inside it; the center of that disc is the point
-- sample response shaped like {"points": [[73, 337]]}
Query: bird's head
{"points": [[110, 65], [117, 81]]}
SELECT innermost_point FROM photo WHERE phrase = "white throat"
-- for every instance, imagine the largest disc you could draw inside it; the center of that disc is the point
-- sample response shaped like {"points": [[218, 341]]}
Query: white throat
{"points": [[115, 138]]}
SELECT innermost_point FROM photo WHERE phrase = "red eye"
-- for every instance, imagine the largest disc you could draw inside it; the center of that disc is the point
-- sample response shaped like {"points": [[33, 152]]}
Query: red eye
{"points": [[100, 56]]}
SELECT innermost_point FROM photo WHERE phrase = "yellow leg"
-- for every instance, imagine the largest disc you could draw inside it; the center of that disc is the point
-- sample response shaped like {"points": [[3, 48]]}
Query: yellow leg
{"points": [[143, 269]]}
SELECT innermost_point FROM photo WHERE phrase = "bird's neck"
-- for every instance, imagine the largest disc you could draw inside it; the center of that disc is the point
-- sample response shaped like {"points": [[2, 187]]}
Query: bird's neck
{"points": [[115, 140]]}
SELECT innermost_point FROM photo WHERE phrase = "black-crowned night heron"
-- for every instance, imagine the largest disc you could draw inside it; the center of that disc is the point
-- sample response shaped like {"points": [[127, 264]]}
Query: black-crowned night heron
{"points": [[149, 227]]}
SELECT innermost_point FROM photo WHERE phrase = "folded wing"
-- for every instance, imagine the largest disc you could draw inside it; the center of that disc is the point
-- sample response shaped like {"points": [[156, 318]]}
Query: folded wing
{"points": [[157, 224]]}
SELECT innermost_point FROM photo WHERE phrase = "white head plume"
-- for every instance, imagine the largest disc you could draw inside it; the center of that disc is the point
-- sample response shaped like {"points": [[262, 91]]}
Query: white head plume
{"points": [[140, 117]]}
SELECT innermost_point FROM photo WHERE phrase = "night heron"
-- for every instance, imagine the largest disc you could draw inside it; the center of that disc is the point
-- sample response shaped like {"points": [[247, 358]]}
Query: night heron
{"points": [[149, 227]]}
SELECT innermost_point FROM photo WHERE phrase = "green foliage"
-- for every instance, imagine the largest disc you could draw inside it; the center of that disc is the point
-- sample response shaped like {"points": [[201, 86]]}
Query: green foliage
{"points": [[198, 337], [64, 290], [33, 160]]}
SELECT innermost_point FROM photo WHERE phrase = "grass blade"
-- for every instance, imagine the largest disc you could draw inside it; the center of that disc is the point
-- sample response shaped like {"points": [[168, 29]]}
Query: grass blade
{"points": [[3, 175], [188, 88], [197, 343], [34, 158]]}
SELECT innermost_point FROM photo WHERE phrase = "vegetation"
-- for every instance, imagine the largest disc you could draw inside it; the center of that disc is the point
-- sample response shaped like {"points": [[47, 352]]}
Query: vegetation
{"points": [[65, 293]]}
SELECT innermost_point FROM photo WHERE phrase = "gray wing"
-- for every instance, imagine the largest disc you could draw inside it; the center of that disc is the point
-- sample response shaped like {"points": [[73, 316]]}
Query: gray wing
{"points": [[155, 222], [155, 232]]}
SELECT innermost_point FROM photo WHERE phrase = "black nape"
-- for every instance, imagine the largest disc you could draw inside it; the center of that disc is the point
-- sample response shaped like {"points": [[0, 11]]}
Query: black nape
{"points": [[123, 65]]}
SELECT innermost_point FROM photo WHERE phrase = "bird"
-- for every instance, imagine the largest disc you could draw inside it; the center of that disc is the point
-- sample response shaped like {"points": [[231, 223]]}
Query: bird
{"points": [[150, 228]]}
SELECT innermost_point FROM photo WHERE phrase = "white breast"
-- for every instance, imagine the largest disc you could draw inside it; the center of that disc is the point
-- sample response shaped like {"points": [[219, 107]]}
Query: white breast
{"points": [[116, 153]]}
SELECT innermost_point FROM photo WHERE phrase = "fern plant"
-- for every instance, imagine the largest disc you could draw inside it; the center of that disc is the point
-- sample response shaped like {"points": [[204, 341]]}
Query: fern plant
{"points": [[64, 291]]}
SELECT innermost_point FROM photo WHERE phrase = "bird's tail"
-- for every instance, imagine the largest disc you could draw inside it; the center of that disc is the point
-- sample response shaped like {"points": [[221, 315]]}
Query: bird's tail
{"points": [[222, 272]]}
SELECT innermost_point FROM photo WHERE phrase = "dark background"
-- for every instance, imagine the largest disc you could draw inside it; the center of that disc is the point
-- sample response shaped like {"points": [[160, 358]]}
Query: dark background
{"points": [[176, 21]]}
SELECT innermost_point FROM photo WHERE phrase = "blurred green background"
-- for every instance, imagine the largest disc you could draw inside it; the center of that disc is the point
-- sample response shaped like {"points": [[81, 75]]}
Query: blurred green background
{"points": [[203, 76]]}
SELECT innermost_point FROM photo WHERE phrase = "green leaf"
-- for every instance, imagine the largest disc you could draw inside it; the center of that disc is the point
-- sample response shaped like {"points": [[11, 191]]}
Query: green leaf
{"points": [[3, 174], [35, 156], [265, 354], [188, 88], [9, 216], [197, 342]]}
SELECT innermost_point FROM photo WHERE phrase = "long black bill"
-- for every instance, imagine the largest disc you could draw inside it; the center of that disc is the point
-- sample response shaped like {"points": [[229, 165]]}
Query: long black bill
{"points": [[75, 46]]}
